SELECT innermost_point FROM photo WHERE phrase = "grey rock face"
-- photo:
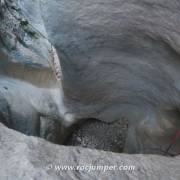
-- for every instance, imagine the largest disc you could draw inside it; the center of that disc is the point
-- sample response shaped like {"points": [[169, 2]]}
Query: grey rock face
{"points": [[26, 158], [121, 59], [28, 85], [118, 59]]}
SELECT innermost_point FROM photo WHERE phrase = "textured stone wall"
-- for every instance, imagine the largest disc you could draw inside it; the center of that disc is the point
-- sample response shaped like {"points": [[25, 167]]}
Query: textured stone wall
{"points": [[119, 59], [26, 158]]}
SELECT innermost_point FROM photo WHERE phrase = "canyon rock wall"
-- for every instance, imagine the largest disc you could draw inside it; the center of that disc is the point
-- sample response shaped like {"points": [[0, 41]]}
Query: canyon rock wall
{"points": [[118, 59]]}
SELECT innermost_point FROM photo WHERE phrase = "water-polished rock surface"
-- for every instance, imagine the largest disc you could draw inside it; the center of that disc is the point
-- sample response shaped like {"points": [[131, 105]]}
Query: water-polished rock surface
{"points": [[27, 158], [118, 59]]}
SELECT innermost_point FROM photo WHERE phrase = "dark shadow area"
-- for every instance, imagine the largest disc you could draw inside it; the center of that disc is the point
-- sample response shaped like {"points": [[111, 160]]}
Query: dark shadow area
{"points": [[96, 134]]}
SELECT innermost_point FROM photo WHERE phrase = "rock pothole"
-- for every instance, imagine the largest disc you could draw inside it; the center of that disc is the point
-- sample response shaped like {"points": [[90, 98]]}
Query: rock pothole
{"points": [[92, 133], [96, 134]]}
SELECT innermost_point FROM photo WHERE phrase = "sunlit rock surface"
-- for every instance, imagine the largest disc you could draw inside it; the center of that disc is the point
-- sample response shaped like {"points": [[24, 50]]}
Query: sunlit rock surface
{"points": [[26, 158]]}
